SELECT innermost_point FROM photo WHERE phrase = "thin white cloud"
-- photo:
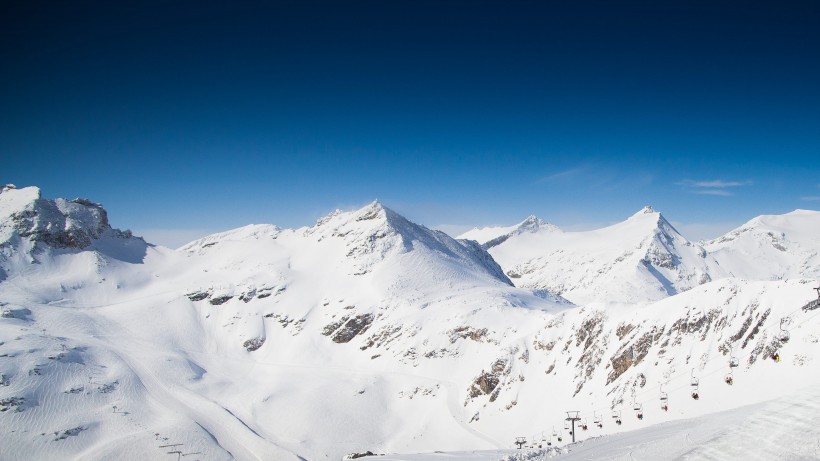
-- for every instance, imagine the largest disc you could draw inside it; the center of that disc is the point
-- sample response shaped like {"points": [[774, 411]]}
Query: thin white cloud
{"points": [[566, 174], [718, 192], [811, 198], [719, 184], [718, 187]]}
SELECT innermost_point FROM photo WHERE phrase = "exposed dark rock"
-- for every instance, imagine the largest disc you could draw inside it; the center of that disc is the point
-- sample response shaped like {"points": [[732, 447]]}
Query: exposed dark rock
{"points": [[361, 455], [12, 402], [591, 335], [539, 345], [331, 327], [467, 332], [353, 328], [198, 295], [253, 344], [68, 433], [484, 384], [108, 387], [756, 329], [384, 337], [487, 382], [246, 296], [812, 305], [220, 300], [623, 330], [633, 354]]}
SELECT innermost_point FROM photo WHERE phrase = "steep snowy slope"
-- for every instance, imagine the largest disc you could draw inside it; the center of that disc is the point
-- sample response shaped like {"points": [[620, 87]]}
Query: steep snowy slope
{"points": [[641, 259], [771, 247]]}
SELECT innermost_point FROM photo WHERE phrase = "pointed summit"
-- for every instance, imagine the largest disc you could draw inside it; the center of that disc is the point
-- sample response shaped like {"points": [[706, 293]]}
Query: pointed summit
{"points": [[645, 211]]}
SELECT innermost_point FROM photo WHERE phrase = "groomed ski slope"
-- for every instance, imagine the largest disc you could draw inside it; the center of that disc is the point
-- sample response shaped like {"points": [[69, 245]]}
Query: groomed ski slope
{"points": [[787, 428]]}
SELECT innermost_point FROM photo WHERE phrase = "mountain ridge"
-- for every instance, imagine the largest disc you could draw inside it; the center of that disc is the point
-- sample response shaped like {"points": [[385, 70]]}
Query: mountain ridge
{"points": [[365, 332]]}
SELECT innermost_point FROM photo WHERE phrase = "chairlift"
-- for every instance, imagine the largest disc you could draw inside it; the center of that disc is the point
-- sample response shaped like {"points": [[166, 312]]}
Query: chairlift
{"points": [[729, 378], [597, 420], [554, 432], [616, 415], [584, 425], [694, 380], [520, 441], [775, 356]]}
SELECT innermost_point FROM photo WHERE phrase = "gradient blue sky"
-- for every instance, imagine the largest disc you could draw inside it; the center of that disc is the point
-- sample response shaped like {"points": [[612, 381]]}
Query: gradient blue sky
{"points": [[189, 117]]}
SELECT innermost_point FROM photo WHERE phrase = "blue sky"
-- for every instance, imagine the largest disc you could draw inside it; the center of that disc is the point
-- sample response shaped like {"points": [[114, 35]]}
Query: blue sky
{"points": [[189, 117]]}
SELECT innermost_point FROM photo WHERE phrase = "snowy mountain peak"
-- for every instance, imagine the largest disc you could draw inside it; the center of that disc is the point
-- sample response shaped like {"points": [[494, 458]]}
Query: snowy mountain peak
{"points": [[531, 223], [59, 223], [649, 215], [489, 237], [375, 232], [656, 222], [30, 223]]}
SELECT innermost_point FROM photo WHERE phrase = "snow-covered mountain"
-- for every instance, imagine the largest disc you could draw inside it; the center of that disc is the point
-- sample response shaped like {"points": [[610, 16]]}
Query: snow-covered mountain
{"points": [[494, 236], [645, 259], [34, 230], [771, 247], [641, 259], [362, 332]]}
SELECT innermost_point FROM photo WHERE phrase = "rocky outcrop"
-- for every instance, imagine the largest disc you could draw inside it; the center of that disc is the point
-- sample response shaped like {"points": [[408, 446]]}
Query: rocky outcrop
{"points": [[487, 382], [346, 328], [253, 344]]}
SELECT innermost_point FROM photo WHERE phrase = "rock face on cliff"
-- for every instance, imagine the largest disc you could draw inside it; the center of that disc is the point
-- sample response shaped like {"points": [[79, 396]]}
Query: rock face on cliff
{"points": [[34, 226]]}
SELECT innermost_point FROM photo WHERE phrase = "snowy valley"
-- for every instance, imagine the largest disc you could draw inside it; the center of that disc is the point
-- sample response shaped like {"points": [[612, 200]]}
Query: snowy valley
{"points": [[368, 332]]}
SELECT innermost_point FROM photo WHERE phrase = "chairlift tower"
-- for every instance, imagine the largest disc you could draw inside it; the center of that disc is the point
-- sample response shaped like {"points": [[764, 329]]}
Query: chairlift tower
{"points": [[573, 416], [520, 441]]}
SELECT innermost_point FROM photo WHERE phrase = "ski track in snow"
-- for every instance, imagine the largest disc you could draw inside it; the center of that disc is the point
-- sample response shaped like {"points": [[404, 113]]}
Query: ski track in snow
{"points": [[230, 432]]}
